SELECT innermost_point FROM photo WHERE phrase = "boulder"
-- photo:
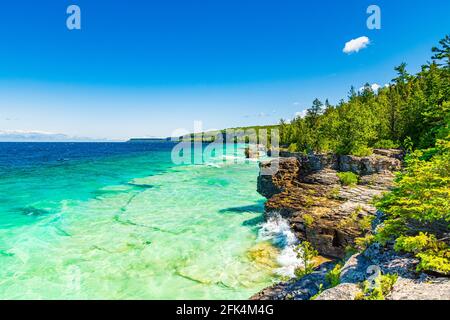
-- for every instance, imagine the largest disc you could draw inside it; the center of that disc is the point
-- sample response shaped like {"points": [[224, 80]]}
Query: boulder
{"points": [[369, 165], [391, 153], [421, 289], [343, 291]]}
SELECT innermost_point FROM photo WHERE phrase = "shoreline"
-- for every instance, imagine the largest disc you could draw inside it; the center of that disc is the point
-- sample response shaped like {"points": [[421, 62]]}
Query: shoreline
{"points": [[308, 194]]}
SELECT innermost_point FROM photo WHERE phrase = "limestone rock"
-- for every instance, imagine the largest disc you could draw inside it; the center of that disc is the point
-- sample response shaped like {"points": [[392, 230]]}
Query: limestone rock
{"points": [[391, 153], [368, 165], [302, 289], [324, 177], [389, 261], [251, 152], [306, 190], [343, 291], [421, 289], [284, 172]]}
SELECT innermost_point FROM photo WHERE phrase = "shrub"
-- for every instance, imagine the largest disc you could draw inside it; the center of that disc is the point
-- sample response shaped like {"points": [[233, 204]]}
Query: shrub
{"points": [[364, 242], [383, 286], [418, 209], [321, 289], [434, 255], [308, 220], [334, 276], [348, 178], [415, 244], [386, 144], [293, 147], [305, 252], [435, 261], [308, 201], [365, 223], [361, 151]]}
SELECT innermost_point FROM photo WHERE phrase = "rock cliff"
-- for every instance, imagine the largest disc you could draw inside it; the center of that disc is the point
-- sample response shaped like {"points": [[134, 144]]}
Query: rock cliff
{"points": [[307, 191]]}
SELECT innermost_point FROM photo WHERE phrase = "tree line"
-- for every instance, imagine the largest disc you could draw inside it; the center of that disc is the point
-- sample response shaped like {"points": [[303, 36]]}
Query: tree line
{"points": [[411, 112]]}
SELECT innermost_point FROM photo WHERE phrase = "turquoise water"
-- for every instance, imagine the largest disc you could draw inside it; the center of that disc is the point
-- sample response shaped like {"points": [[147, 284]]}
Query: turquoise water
{"points": [[128, 225]]}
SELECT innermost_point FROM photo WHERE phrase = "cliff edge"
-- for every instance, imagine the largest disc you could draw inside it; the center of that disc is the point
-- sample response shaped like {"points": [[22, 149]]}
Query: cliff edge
{"points": [[308, 192]]}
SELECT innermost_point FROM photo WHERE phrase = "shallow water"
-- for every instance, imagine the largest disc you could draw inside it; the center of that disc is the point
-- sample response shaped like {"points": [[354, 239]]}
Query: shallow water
{"points": [[120, 221]]}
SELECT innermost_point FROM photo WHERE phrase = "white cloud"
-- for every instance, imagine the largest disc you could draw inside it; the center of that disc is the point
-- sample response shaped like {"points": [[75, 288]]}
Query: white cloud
{"points": [[375, 87], [300, 114], [355, 45]]}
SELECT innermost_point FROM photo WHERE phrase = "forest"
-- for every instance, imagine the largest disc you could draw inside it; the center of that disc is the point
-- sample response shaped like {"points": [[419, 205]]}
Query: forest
{"points": [[412, 113]]}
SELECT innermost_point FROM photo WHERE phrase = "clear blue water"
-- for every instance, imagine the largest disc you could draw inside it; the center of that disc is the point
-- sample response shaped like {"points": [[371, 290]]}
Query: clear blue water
{"points": [[121, 221]]}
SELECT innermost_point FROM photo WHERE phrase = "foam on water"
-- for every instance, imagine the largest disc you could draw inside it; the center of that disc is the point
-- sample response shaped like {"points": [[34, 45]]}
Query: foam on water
{"points": [[277, 230]]}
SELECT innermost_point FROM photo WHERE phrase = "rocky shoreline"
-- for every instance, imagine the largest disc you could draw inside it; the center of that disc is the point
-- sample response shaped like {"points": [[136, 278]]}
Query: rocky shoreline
{"points": [[308, 192]]}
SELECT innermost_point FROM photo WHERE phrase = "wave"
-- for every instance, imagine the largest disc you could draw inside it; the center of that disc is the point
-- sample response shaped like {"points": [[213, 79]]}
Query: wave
{"points": [[277, 230]]}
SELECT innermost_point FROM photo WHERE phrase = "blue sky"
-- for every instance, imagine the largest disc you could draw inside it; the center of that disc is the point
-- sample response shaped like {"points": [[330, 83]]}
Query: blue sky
{"points": [[146, 68]]}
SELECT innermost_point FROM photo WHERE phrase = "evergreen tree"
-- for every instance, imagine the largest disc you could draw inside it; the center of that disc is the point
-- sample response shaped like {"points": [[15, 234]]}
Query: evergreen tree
{"points": [[443, 52]]}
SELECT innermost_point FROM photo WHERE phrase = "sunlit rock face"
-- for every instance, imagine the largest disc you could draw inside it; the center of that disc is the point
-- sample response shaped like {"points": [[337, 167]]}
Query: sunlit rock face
{"points": [[307, 191]]}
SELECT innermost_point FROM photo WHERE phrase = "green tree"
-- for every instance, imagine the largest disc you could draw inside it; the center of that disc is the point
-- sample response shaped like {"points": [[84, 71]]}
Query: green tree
{"points": [[442, 52]]}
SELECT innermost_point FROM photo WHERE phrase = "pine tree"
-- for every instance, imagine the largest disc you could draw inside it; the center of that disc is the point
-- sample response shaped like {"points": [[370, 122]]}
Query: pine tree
{"points": [[443, 52]]}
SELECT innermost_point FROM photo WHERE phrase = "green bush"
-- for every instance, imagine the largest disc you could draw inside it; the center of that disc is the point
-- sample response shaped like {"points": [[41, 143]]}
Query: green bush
{"points": [[418, 209], [362, 243], [305, 252], [293, 147], [348, 178], [383, 286], [434, 255], [308, 220], [334, 276], [386, 144], [321, 289], [361, 151]]}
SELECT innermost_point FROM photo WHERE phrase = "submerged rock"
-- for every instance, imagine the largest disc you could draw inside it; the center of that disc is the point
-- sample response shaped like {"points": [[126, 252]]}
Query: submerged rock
{"points": [[264, 254]]}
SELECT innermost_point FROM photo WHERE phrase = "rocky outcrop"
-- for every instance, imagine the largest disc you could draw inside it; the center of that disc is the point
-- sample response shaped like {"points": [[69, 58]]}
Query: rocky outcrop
{"points": [[302, 289], [282, 178], [343, 291], [306, 190], [421, 289], [409, 286], [251, 152], [381, 160]]}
